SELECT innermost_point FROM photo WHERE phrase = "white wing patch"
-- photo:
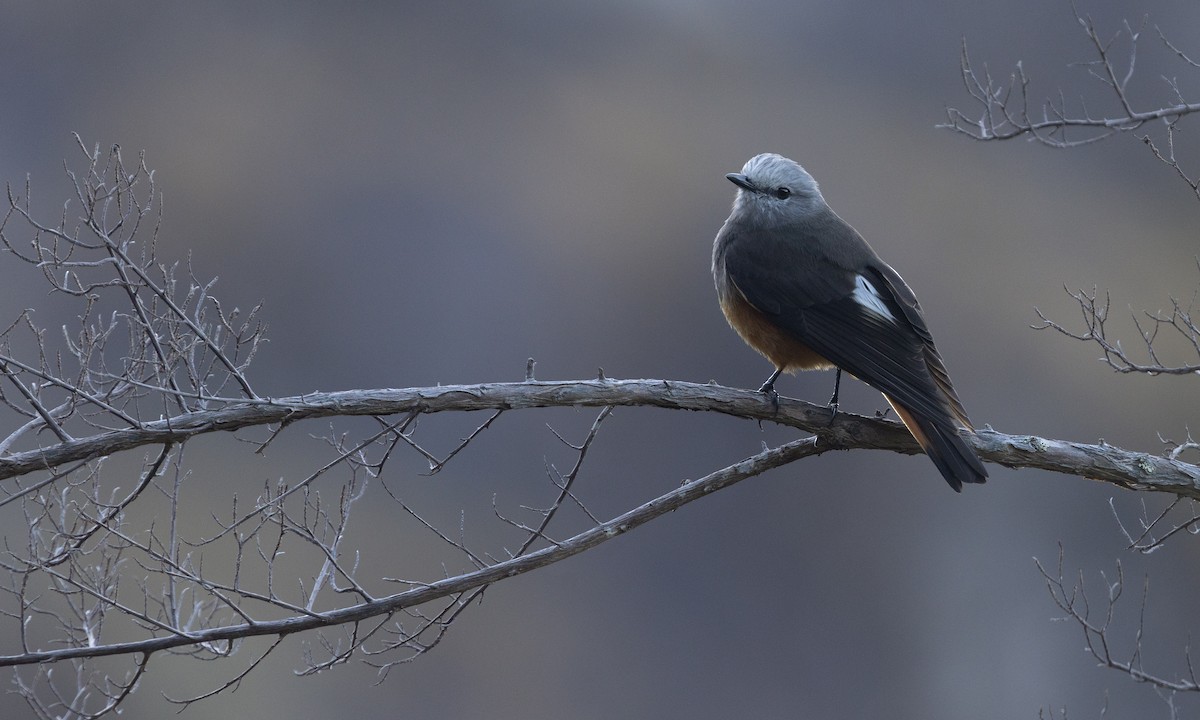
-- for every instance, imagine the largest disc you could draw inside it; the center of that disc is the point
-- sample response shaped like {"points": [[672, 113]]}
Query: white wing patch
{"points": [[869, 298]]}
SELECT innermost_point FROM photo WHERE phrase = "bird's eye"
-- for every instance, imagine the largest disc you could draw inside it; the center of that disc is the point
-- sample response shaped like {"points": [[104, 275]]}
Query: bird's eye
{"points": [[782, 193]]}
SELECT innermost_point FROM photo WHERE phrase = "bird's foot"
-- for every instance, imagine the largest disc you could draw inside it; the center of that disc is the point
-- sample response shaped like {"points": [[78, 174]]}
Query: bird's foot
{"points": [[769, 390]]}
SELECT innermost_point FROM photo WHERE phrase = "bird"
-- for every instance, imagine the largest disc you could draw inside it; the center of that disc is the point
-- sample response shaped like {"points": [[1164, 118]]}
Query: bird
{"points": [[804, 289]]}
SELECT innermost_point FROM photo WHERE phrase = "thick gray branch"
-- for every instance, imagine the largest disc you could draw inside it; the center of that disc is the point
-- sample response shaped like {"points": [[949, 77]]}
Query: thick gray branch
{"points": [[1132, 470]]}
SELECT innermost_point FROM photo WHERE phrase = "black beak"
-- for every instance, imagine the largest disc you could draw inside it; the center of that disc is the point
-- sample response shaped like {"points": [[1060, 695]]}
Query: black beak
{"points": [[741, 181]]}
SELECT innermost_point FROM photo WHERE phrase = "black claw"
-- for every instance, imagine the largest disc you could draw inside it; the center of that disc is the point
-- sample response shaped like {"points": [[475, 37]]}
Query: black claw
{"points": [[768, 389]]}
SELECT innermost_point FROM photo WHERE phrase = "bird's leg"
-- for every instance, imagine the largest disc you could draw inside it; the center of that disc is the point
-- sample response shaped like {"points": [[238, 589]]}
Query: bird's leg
{"points": [[768, 388], [769, 385], [837, 387]]}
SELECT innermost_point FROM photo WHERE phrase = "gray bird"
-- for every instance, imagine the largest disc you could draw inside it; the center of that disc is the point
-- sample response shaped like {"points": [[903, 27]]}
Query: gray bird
{"points": [[803, 288]]}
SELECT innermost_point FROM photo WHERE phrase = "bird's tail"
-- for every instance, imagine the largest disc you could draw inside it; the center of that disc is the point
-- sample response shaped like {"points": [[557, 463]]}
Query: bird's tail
{"points": [[954, 458]]}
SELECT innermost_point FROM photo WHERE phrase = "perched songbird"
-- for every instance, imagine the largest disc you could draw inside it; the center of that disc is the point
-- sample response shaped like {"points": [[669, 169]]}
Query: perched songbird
{"points": [[803, 288]]}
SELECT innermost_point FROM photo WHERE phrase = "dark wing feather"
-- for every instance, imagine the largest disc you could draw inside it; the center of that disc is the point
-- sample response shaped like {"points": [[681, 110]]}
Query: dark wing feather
{"points": [[886, 355], [907, 301]]}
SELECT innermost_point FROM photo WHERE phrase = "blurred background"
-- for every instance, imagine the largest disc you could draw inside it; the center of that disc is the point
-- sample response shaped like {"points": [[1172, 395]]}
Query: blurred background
{"points": [[433, 193]]}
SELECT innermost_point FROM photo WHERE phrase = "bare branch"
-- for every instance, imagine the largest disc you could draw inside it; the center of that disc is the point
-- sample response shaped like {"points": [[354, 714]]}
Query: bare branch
{"points": [[564, 484], [1178, 323], [1168, 157], [574, 545], [1004, 111], [1131, 470], [232, 683], [1156, 531], [1072, 598]]}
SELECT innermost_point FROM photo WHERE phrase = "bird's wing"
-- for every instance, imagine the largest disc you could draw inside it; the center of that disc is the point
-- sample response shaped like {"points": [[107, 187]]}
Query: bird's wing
{"points": [[933, 359], [865, 321]]}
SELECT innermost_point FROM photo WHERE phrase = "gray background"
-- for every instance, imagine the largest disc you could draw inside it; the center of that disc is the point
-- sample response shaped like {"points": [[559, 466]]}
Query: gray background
{"points": [[433, 194]]}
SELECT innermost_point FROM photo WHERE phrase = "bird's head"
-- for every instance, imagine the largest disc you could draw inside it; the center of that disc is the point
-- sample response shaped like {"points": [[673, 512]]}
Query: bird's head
{"points": [[775, 186]]}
